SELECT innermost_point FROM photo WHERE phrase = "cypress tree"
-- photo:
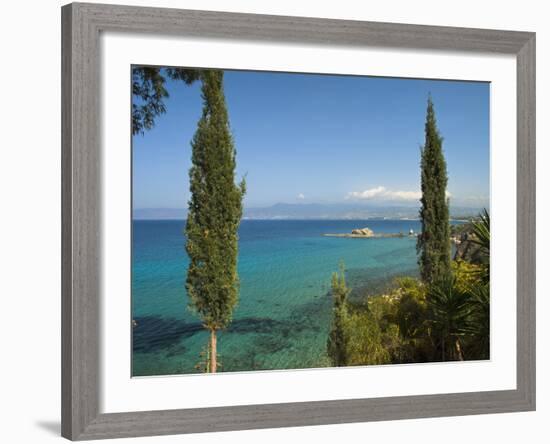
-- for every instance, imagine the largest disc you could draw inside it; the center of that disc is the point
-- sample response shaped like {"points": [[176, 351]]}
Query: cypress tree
{"points": [[215, 210], [434, 246], [338, 340]]}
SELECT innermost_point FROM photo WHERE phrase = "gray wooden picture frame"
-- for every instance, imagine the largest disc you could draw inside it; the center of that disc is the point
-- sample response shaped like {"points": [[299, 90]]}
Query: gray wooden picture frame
{"points": [[81, 239]]}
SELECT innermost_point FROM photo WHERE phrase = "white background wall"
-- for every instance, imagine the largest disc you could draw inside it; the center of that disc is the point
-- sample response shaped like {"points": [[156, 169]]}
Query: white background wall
{"points": [[30, 220]]}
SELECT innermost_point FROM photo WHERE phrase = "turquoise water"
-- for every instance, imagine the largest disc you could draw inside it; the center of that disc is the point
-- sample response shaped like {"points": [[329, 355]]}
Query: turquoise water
{"points": [[283, 316]]}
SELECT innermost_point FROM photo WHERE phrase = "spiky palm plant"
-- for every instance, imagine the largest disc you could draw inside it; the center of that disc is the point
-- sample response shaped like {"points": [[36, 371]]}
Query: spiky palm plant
{"points": [[449, 310], [479, 322], [482, 237]]}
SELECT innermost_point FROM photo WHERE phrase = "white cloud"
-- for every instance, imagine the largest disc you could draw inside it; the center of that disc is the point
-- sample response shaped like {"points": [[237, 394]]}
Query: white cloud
{"points": [[367, 194], [301, 196], [382, 193]]}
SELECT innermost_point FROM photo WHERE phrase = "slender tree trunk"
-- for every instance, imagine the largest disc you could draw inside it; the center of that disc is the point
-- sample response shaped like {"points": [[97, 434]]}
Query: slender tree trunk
{"points": [[213, 351], [443, 348], [459, 352]]}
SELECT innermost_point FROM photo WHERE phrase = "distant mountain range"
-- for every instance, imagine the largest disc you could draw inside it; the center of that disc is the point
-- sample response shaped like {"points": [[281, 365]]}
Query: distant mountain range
{"points": [[311, 211]]}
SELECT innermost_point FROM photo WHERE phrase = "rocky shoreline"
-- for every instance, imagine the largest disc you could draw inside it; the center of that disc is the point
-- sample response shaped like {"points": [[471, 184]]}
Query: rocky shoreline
{"points": [[367, 233], [461, 238]]}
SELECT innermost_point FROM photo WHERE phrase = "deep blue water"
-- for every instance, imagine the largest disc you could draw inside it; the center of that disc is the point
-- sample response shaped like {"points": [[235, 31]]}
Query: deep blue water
{"points": [[283, 316]]}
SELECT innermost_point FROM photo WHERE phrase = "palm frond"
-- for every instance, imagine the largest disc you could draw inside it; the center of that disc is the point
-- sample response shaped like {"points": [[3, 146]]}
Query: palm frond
{"points": [[482, 231]]}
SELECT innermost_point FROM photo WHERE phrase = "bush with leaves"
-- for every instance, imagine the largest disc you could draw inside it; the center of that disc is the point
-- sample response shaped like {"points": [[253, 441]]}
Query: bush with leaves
{"points": [[366, 341], [467, 274]]}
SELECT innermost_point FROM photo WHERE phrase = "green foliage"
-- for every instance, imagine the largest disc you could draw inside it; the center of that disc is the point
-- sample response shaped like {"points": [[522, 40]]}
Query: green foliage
{"points": [[473, 281], [482, 233], [405, 326], [477, 329], [434, 245], [482, 230], [149, 92], [215, 211], [338, 340], [366, 341], [355, 337], [412, 309], [466, 274], [383, 308], [186, 75], [376, 337], [449, 311], [414, 322]]}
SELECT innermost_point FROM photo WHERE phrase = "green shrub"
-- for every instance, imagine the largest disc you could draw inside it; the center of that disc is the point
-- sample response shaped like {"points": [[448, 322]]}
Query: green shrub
{"points": [[365, 345]]}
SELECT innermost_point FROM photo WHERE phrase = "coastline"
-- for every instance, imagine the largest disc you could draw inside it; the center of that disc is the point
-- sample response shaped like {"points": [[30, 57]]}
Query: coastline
{"points": [[370, 236]]}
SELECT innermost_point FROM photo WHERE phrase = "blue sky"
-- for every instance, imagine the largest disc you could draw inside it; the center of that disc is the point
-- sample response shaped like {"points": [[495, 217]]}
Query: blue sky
{"points": [[303, 138]]}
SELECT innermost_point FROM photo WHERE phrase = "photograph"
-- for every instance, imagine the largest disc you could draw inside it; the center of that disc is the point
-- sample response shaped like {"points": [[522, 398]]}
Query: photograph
{"points": [[288, 220], [274, 222]]}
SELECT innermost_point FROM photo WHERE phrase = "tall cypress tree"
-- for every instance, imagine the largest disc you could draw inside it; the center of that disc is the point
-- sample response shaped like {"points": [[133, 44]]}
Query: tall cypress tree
{"points": [[215, 211], [434, 246]]}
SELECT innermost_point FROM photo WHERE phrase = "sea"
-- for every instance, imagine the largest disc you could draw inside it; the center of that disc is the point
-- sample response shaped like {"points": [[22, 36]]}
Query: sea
{"points": [[284, 312]]}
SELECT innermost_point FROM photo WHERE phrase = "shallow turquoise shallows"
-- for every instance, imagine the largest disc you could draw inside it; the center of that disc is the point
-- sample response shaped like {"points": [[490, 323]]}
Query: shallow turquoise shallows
{"points": [[283, 316]]}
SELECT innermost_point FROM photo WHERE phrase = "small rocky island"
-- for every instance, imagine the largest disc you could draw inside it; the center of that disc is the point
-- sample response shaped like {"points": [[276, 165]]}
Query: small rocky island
{"points": [[366, 233]]}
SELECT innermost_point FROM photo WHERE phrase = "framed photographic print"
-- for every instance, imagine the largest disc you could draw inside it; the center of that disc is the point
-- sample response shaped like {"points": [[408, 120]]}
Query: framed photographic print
{"points": [[278, 221]]}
